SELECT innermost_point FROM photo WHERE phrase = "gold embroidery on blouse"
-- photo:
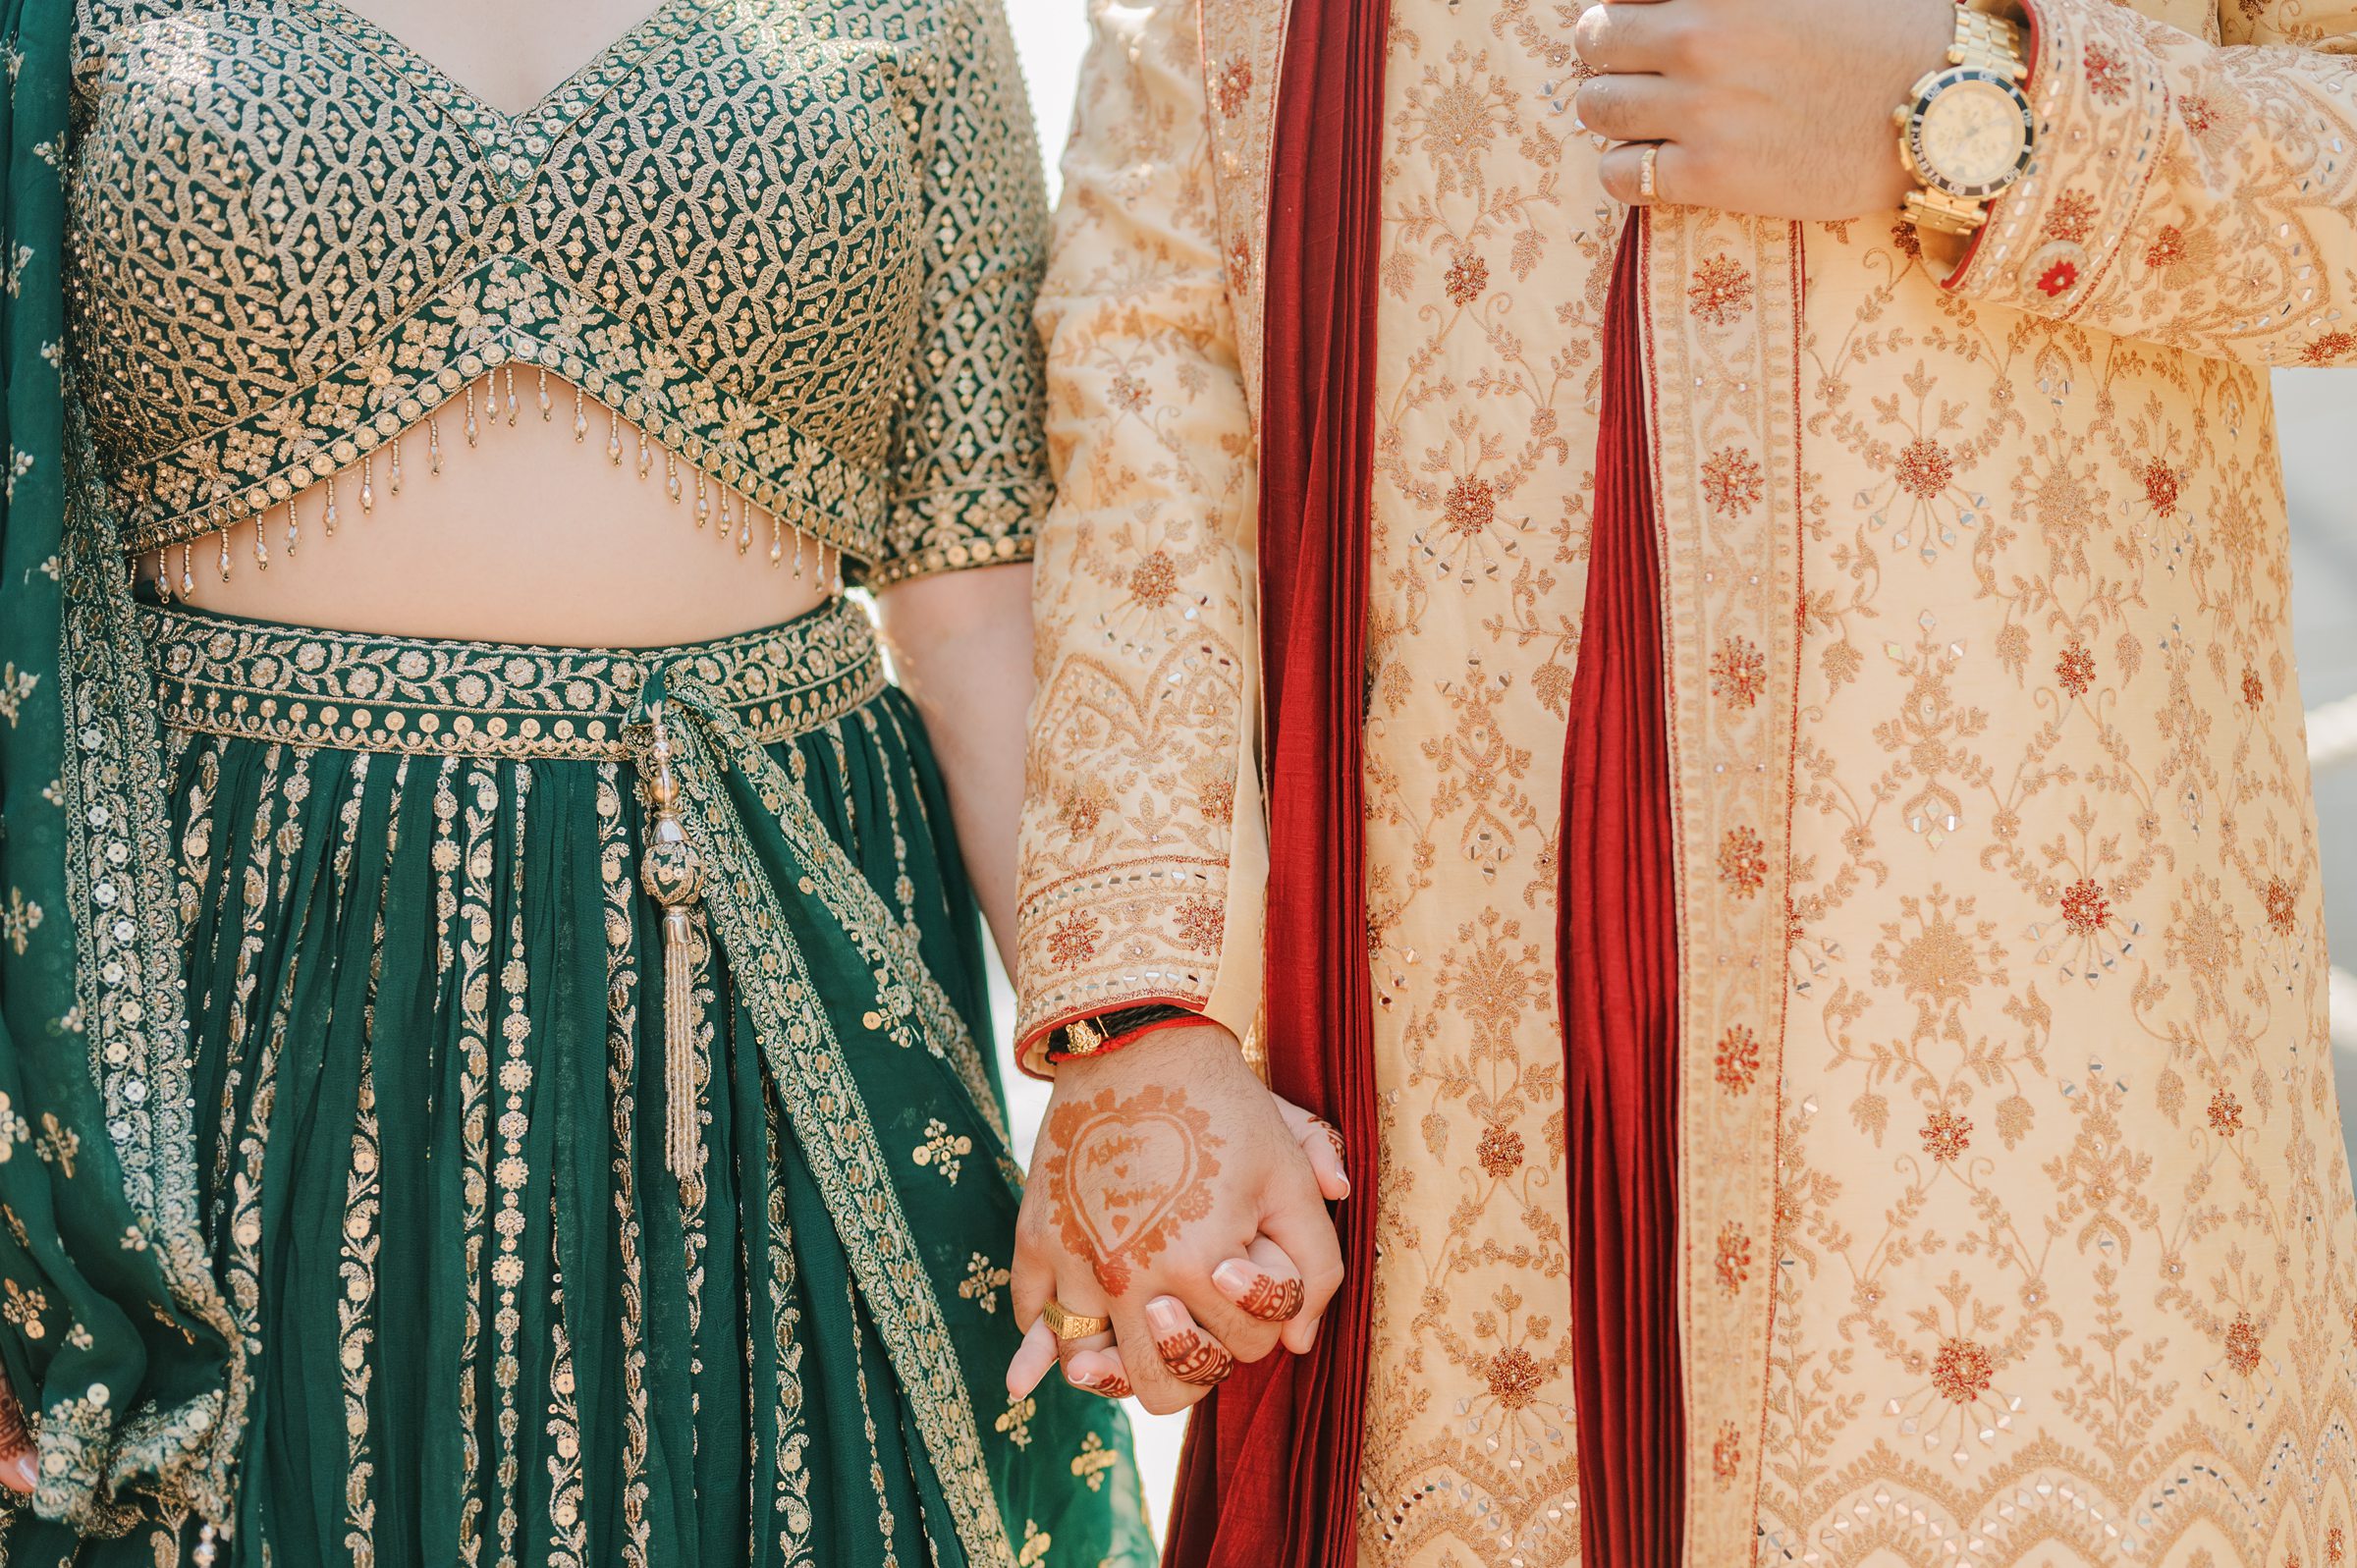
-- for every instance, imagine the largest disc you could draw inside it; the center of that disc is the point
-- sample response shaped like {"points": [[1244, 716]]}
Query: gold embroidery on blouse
{"points": [[293, 238]]}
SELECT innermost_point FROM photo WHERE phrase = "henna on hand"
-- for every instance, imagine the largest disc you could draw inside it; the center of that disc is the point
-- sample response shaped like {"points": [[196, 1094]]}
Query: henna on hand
{"points": [[1109, 1388], [1125, 1175], [15, 1439], [1272, 1300], [1194, 1357]]}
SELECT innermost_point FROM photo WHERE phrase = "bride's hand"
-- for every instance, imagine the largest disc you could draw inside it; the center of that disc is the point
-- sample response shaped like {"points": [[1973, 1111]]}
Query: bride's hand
{"points": [[17, 1465], [1174, 1196]]}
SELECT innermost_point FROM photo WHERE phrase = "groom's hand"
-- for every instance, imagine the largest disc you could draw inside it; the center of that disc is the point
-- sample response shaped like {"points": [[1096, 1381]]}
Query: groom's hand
{"points": [[1777, 110], [1172, 1193]]}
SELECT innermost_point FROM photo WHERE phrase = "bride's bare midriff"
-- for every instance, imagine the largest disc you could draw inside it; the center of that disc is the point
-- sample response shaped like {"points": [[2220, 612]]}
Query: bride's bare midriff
{"points": [[528, 535]]}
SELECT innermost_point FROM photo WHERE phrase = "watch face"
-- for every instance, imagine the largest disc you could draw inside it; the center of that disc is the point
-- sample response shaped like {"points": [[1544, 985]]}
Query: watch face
{"points": [[1971, 132]]}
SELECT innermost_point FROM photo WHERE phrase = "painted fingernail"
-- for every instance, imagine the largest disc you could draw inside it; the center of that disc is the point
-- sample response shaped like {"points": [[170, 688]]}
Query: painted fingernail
{"points": [[1166, 1317]]}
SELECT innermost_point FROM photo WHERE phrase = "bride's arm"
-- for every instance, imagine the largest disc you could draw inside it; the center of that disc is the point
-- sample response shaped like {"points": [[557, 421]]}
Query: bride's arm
{"points": [[961, 645]]}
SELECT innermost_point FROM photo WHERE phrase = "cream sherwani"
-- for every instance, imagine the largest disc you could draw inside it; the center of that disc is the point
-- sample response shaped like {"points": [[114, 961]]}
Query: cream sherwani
{"points": [[2016, 1220]]}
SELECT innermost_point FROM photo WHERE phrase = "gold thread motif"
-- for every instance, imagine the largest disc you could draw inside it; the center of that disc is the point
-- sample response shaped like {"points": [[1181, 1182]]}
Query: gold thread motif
{"points": [[811, 1075], [792, 1501], [511, 1173], [569, 1531], [121, 890], [474, 1076], [354, 1312], [621, 1073], [351, 691]]}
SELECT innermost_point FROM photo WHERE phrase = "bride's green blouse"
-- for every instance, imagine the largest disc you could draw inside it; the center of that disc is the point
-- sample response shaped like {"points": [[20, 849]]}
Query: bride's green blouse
{"points": [[796, 244]]}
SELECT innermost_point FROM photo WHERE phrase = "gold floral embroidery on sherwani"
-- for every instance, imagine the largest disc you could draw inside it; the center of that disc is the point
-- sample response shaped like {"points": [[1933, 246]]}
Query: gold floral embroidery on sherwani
{"points": [[2016, 1224], [1143, 857]]}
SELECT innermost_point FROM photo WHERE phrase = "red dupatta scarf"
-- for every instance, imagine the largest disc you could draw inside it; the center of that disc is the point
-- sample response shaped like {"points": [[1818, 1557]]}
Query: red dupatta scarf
{"points": [[1617, 966], [1270, 1475]]}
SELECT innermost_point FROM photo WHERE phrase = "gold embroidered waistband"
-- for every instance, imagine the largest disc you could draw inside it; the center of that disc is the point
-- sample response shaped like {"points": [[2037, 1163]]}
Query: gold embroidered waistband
{"points": [[356, 691]]}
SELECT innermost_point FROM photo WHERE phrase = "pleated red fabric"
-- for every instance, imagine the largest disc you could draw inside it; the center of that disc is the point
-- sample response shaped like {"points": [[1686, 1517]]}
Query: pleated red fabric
{"points": [[1270, 1475], [1617, 968]]}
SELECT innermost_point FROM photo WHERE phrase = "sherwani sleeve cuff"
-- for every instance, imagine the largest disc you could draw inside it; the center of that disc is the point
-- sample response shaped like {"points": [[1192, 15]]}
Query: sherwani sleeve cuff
{"points": [[2101, 104], [2194, 195], [1168, 962]]}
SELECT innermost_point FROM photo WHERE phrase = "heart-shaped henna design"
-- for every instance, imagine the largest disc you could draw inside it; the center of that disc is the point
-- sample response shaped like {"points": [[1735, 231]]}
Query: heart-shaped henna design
{"points": [[1272, 1300], [1194, 1357], [1126, 1174]]}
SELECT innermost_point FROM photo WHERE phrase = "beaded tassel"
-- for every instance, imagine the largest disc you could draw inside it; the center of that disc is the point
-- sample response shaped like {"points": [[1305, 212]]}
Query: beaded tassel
{"points": [[511, 395], [396, 485], [208, 1546], [671, 472], [580, 419], [674, 875], [294, 528], [547, 404], [327, 517], [777, 541], [188, 570], [367, 485], [744, 535], [703, 502], [433, 445], [163, 575], [645, 457], [471, 428], [225, 554], [614, 438]]}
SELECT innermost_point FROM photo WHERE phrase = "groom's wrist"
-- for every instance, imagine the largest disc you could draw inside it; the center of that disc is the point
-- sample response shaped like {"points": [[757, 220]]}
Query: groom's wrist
{"points": [[1104, 1033]]}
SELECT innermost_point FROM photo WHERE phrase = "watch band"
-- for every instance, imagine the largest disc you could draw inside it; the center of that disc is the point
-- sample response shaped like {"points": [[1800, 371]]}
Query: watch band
{"points": [[1110, 1031], [1984, 41]]}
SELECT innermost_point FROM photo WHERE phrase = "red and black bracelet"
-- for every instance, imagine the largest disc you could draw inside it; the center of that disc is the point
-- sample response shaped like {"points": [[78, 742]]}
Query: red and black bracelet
{"points": [[1110, 1031]]}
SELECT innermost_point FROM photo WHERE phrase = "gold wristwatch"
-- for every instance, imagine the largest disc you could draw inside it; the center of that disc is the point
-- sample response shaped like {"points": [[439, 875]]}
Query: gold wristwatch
{"points": [[1965, 130]]}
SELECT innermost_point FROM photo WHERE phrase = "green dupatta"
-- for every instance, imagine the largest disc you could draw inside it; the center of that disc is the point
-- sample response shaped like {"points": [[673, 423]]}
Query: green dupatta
{"points": [[114, 1332]]}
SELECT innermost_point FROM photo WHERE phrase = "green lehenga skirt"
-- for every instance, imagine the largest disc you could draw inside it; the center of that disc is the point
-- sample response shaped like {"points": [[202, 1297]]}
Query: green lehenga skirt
{"points": [[551, 1243]]}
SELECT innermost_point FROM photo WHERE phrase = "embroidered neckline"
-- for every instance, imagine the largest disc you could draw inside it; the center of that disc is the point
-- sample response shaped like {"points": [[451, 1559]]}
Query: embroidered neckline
{"points": [[513, 146]]}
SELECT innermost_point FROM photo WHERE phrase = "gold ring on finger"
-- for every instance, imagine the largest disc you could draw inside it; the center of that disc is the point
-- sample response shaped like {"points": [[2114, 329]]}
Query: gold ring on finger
{"points": [[1065, 1324]]}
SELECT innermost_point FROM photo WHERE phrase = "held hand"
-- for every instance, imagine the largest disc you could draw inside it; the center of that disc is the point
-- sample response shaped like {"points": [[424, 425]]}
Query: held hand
{"points": [[16, 1458], [1783, 111], [1156, 1166]]}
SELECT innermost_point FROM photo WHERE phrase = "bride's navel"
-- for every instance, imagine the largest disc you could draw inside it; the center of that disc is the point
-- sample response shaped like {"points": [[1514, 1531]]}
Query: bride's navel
{"points": [[488, 482]]}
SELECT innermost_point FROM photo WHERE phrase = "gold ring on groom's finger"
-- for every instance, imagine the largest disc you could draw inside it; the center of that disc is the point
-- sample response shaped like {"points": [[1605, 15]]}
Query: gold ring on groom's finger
{"points": [[1071, 1324], [1649, 189]]}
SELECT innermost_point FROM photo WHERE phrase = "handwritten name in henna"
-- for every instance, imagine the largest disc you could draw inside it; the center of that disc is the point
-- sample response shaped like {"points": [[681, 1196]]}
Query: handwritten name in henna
{"points": [[1124, 1176], [1194, 1357], [1272, 1300]]}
